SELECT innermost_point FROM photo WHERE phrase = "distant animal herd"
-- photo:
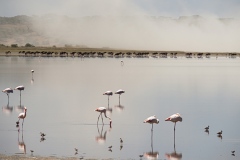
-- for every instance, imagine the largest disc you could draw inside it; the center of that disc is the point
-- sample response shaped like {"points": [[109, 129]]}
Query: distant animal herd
{"points": [[120, 54]]}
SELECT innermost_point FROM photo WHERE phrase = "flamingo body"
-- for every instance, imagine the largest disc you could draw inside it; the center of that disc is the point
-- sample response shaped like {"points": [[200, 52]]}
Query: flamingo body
{"points": [[23, 115], [120, 91], [7, 90], [109, 93], [103, 110], [20, 88], [174, 118], [151, 120]]}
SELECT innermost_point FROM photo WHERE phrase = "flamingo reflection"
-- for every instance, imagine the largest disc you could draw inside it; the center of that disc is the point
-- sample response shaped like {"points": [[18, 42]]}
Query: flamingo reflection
{"points": [[151, 154], [101, 138], [7, 109], [21, 144]]}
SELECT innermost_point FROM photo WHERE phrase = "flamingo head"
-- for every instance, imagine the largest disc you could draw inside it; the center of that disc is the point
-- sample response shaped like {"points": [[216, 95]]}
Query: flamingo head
{"points": [[25, 109]]}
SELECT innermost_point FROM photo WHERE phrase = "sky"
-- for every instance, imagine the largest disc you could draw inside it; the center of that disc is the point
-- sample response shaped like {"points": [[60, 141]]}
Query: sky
{"points": [[208, 34], [172, 8]]}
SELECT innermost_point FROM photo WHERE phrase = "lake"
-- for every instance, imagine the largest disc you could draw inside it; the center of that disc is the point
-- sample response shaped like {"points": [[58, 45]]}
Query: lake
{"points": [[63, 93]]}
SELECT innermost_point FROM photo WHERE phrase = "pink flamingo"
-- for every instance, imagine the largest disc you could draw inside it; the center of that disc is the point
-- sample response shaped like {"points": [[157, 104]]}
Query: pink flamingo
{"points": [[108, 93], [20, 88], [151, 120], [103, 110], [174, 118], [7, 91], [22, 116], [119, 92]]}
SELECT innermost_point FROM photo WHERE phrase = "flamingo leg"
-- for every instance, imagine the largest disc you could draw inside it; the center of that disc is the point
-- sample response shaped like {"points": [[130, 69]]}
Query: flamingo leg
{"points": [[8, 97], [98, 118], [102, 119], [174, 127], [108, 101], [152, 128]]}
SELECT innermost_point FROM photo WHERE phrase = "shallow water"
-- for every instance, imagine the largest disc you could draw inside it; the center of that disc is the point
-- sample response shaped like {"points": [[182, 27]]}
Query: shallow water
{"points": [[63, 93]]}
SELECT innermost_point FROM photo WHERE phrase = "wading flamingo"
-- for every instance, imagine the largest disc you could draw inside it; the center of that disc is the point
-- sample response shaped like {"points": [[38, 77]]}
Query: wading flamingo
{"points": [[7, 91], [20, 88], [103, 110], [120, 91], [108, 93], [22, 116], [174, 118], [151, 120]]}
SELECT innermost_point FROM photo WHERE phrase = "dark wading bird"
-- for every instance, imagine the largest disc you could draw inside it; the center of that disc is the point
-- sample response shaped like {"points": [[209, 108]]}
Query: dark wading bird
{"points": [[7, 91], [103, 110], [151, 120]]}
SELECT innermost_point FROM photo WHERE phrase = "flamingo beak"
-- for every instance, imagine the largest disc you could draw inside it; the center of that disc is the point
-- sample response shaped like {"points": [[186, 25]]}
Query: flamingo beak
{"points": [[168, 119]]}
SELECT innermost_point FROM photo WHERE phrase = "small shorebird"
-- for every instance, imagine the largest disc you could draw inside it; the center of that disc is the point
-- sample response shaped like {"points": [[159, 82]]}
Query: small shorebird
{"points": [[220, 133], [151, 120], [233, 152], [207, 127], [42, 134], [121, 141]]}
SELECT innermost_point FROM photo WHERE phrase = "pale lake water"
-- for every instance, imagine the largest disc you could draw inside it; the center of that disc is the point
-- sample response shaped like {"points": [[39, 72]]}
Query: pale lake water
{"points": [[64, 92]]}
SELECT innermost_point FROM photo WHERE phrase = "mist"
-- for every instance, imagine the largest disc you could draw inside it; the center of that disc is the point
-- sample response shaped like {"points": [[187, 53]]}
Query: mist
{"points": [[127, 25]]}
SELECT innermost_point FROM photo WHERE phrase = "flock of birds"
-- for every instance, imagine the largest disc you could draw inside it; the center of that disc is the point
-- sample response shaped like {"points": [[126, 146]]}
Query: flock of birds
{"points": [[102, 110]]}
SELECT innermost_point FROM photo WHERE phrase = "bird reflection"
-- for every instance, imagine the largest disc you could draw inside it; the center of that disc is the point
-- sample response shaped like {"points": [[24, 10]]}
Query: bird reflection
{"points": [[174, 155], [19, 108], [7, 109], [151, 154], [101, 138], [207, 131], [21, 144]]}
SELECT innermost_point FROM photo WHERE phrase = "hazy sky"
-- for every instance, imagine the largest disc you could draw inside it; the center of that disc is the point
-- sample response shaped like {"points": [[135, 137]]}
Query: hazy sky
{"points": [[208, 34], [173, 8]]}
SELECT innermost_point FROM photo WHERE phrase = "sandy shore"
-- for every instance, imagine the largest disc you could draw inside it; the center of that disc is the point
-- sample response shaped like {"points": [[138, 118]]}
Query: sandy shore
{"points": [[25, 157]]}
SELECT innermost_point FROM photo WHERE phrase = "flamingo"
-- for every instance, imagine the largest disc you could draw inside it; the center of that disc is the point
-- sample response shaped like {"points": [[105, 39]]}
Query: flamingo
{"points": [[120, 91], [7, 91], [151, 120], [22, 116], [174, 118], [108, 93], [103, 110], [20, 88]]}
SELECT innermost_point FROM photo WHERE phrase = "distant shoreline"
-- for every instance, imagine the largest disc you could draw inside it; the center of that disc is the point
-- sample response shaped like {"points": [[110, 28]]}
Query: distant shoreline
{"points": [[102, 52]]}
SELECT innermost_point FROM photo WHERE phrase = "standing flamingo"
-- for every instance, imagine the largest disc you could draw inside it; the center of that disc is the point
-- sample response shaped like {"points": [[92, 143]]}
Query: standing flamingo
{"points": [[151, 120], [20, 88], [7, 91], [108, 93], [103, 110], [22, 116], [174, 118], [120, 91]]}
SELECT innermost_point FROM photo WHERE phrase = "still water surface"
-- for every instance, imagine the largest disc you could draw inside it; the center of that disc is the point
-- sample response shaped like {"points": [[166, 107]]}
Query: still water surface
{"points": [[64, 92]]}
